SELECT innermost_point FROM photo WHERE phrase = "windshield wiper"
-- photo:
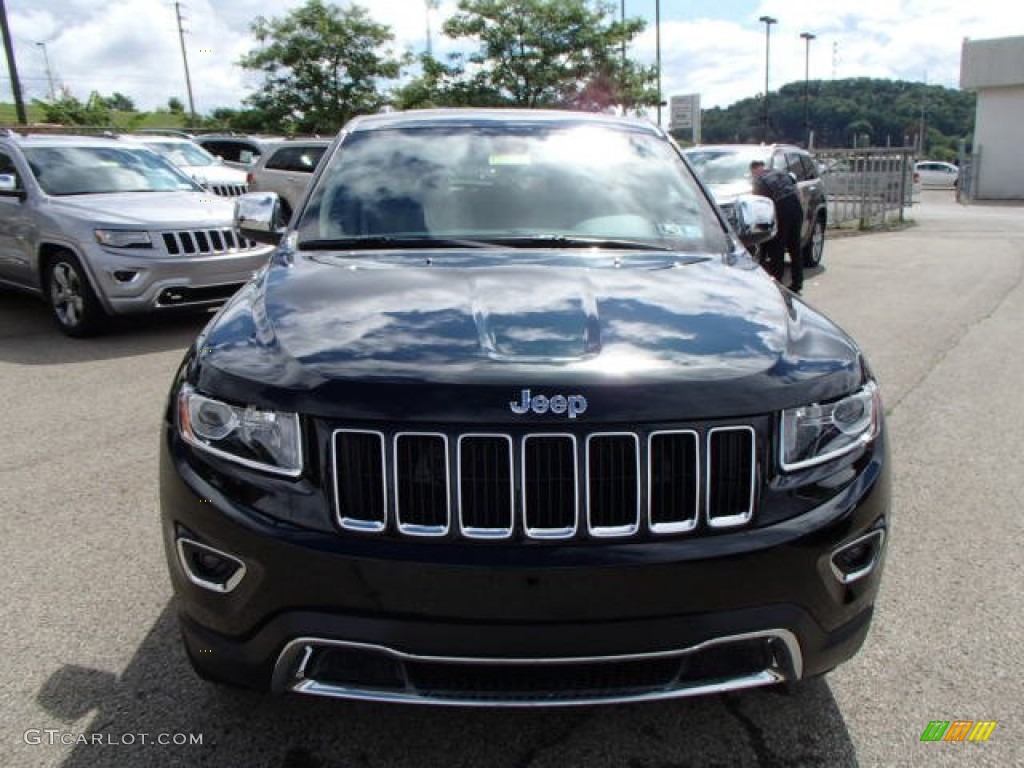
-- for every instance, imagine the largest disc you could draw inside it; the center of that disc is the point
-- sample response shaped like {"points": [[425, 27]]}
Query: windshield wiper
{"points": [[575, 241], [372, 242]]}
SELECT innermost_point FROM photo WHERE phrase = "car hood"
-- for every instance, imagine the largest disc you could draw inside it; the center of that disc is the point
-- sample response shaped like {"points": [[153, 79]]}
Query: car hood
{"points": [[214, 174], [728, 191], [148, 210], [647, 337]]}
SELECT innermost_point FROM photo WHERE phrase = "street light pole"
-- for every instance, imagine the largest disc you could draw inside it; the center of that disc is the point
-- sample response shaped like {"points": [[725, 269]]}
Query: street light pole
{"points": [[807, 37], [767, 21]]}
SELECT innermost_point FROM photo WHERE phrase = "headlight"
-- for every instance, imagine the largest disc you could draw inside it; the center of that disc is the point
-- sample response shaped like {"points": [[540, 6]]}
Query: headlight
{"points": [[814, 434], [123, 238], [266, 440]]}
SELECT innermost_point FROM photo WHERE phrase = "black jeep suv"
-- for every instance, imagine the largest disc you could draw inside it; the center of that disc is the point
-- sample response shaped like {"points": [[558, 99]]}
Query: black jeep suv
{"points": [[513, 418]]}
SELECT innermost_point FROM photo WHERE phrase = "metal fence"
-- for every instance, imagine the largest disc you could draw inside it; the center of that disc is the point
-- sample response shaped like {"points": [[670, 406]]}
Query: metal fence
{"points": [[967, 180], [867, 186]]}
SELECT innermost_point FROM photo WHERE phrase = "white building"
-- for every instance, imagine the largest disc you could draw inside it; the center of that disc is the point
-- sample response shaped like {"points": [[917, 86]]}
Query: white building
{"points": [[994, 70]]}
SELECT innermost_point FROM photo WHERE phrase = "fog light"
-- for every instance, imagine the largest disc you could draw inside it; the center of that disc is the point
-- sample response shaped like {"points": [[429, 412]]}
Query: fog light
{"points": [[125, 275], [858, 558], [210, 568]]}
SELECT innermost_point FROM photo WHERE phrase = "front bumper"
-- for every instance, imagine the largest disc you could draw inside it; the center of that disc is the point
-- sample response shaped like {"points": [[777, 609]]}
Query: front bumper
{"points": [[516, 623], [128, 283]]}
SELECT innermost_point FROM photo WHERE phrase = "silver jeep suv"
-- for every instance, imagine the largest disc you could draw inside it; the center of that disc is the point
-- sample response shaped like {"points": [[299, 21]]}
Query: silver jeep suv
{"points": [[101, 227]]}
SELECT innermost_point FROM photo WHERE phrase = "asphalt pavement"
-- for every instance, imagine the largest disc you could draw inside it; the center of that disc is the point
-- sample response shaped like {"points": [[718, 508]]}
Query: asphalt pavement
{"points": [[91, 669]]}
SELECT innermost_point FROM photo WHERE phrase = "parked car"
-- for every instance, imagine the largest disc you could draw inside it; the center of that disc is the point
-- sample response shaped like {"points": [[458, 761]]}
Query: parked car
{"points": [[237, 151], [208, 170], [935, 173], [726, 170], [100, 226], [513, 418], [286, 169]]}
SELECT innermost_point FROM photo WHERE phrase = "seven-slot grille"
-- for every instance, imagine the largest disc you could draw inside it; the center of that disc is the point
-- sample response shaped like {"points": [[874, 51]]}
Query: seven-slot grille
{"points": [[546, 486], [206, 242], [228, 190]]}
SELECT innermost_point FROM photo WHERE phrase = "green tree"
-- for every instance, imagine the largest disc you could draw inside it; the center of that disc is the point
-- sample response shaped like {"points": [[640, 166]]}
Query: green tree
{"points": [[175, 106], [445, 85], [321, 65], [119, 102], [68, 110], [564, 53]]}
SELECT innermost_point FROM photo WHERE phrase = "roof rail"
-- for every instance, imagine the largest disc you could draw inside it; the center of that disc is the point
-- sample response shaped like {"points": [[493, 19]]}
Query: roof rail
{"points": [[164, 132]]}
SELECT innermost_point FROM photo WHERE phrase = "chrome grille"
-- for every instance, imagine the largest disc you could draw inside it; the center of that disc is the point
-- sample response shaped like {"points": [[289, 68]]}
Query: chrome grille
{"points": [[206, 242], [544, 486], [361, 491], [422, 499], [731, 485], [228, 190], [613, 484], [673, 502], [486, 492], [550, 491]]}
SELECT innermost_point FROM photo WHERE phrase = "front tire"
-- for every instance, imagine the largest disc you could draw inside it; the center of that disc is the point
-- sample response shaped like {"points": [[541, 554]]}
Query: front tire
{"points": [[73, 303], [815, 247]]}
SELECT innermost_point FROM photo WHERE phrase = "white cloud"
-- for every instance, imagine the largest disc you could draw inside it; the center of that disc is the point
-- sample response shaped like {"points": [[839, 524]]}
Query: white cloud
{"points": [[132, 46]]}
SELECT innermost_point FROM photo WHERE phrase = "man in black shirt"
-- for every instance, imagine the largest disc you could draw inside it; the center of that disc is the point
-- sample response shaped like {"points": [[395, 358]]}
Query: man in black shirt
{"points": [[789, 217]]}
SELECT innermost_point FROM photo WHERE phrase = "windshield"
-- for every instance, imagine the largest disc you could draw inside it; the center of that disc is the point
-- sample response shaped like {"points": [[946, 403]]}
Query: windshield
{"points": [[514, 185], [183, 153], [723, 166], [69, 170]]}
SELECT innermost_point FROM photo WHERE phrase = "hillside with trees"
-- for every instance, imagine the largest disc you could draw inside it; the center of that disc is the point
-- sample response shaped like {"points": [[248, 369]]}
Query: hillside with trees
{"points": [[868, 111]]}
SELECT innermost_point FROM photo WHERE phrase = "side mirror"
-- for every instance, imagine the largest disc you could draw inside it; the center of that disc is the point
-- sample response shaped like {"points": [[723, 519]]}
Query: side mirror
{"points": [[258, 217], [9, 186], [754, 219]]}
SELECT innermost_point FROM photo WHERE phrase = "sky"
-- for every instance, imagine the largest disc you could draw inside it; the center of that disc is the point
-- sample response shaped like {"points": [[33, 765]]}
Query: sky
{"points": [[712, 48]]}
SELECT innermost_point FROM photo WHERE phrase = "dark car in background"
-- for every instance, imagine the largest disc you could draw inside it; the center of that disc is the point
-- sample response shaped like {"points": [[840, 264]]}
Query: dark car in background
{"points": [[726, 170], [513, 418], [235, 150]]}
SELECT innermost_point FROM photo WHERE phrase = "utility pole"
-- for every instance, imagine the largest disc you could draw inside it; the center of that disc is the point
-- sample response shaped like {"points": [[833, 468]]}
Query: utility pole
{"points": [[184, 58], [767, 21], [49, 72], [920, 130], [657, 46], [807, 37], [12, 65], [622, 20], [431, 5]]}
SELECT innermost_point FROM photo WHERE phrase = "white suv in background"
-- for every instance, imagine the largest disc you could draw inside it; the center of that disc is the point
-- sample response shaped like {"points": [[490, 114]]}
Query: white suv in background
{"points": [[101, 226], [208, 170]]}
